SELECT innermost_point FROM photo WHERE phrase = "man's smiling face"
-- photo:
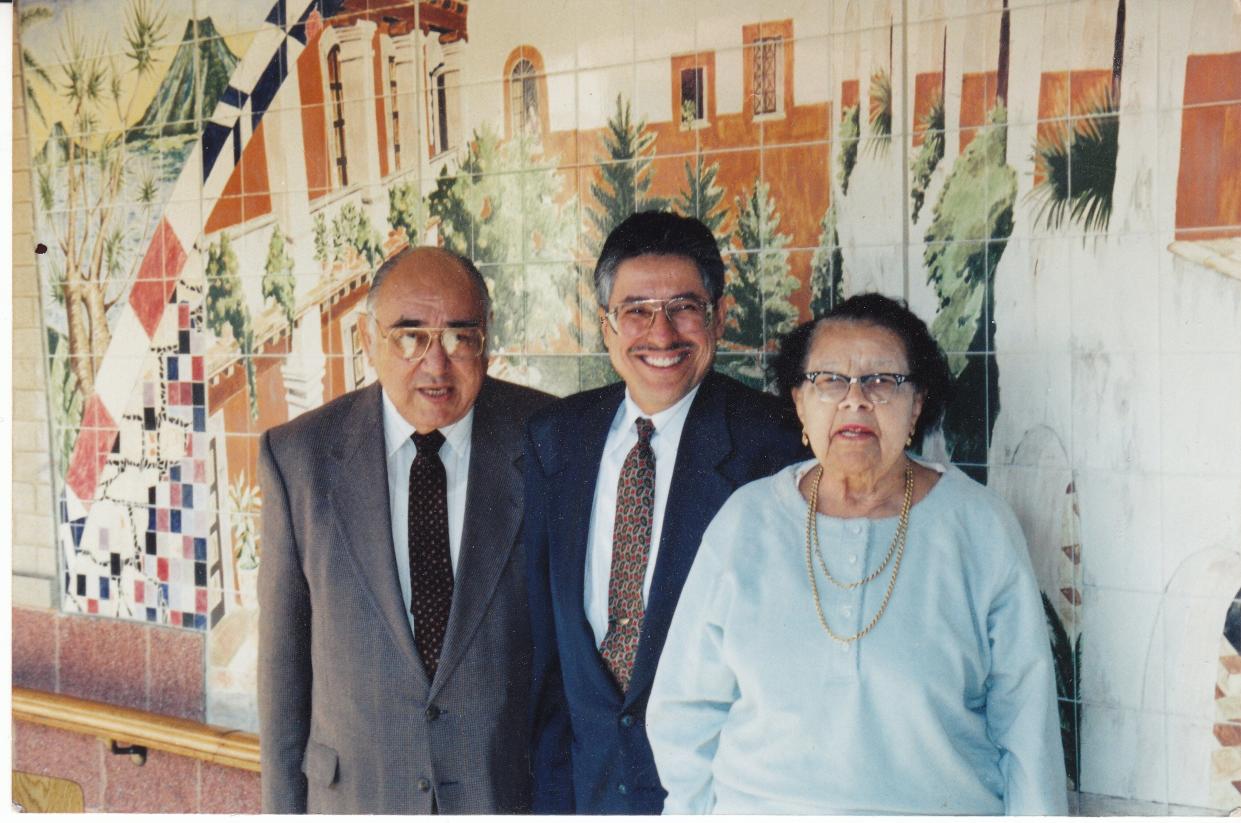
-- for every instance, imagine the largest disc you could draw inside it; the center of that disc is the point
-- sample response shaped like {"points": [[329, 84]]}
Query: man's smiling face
{"points": [[663, 364]]}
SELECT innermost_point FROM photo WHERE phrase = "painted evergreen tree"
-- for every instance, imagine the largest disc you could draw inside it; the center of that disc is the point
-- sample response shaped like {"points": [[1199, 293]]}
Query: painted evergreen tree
{"points": [[760, 284], [850, 129], [512, 226], [278, 282], [703, 198], [625, 176], [227, 309], [827, 267]]}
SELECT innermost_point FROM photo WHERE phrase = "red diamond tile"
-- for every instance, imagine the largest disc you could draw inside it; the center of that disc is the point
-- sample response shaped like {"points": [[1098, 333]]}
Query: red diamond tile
{"points": [[200, 601], [157, 277], [90, 453]]}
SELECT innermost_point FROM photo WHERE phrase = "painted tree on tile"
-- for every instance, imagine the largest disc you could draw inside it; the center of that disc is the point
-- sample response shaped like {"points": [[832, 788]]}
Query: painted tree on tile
{"points": [[227, 311], [760, 283], [83, 176], [703, 198], [625, 176], [1077, 160], [278, 282], [850, 129], [970, 227], [827, 274], [512, 226]]}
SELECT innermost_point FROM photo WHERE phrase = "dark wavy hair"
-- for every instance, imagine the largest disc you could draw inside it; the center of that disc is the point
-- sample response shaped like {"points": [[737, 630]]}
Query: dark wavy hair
{"points": [[660, 232], [928, 367]]}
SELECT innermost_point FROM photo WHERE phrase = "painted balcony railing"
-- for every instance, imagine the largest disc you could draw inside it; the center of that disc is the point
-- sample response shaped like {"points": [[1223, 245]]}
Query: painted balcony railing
{"points": [[133, 728]]}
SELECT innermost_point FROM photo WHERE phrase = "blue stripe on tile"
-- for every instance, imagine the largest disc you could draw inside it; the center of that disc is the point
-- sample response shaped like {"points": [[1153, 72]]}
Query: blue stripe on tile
{"points": [[267, 86], [277, 14], [233, 97], [213, 140]]}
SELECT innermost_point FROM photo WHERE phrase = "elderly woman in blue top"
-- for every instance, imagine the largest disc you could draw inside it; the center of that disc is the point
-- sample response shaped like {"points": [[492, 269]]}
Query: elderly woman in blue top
{"points": [[861, 632]]}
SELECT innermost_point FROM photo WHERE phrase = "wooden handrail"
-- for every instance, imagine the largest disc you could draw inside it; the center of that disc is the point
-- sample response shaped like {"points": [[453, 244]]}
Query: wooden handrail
{"points": [[214, 744]]}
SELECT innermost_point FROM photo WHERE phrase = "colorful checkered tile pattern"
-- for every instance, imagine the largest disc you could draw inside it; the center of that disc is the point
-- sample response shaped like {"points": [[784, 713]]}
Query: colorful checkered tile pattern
{"points": [[136, 511]]}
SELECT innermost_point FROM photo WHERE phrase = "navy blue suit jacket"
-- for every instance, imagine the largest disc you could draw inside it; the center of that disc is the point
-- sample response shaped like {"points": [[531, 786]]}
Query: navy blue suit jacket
{"points": [[590, 751]]}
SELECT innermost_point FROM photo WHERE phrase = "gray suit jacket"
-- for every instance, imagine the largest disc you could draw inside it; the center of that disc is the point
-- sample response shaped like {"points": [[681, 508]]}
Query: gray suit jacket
{"points": [[348, 720]]}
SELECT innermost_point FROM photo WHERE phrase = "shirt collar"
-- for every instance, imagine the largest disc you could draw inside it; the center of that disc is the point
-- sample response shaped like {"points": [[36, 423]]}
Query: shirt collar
{"points": [[677, 412], [397, 429]]}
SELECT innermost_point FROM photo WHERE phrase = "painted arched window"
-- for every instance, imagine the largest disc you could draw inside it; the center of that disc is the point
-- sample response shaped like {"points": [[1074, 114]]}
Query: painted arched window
{"points": [[523, 92], [337, 91]]}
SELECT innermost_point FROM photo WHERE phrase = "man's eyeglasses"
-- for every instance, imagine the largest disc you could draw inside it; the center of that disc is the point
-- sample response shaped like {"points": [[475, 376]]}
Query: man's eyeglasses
{"points": [[460, 342], [831, 387], [685, 314]]}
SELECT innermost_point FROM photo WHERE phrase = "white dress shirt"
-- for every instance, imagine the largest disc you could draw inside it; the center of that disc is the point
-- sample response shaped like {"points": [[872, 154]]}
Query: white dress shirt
{"points": [[621, 438], [400, 451]]}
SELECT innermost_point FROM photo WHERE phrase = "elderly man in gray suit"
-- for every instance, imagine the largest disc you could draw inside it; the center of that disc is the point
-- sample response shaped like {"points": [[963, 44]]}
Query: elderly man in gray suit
{"points": [[394, 643]]}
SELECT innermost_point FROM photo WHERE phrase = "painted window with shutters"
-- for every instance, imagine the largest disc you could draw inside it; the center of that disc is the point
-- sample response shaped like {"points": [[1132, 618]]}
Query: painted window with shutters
{"points": [[767, 55], [337, 91]]}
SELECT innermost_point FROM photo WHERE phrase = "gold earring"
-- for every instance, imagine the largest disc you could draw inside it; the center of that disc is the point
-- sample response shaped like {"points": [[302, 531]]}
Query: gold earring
{"points": [[805, 438], [910, 441]]}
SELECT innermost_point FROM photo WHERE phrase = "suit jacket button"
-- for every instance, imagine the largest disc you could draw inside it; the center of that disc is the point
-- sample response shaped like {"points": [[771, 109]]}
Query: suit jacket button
{"points": [[622, 788], [433, 712], [424, 785], [626, 720]]}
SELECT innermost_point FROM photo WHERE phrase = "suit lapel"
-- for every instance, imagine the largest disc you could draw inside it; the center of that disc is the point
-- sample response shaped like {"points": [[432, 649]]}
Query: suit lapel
{"points": [[700, 484], [359, 499], [492, 517], [576, 495]]}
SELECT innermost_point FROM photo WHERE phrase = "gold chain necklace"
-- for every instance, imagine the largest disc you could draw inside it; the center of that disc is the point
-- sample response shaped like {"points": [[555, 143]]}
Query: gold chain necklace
{"points": [[896, 549]]}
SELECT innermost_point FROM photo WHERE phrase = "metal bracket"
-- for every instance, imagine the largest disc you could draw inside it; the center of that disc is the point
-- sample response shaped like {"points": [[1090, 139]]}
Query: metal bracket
{"points": [[138, 754]]}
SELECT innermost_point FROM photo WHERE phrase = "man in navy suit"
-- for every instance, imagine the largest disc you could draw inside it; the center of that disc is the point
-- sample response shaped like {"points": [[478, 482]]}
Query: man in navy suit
{"points": [[621, 482]]}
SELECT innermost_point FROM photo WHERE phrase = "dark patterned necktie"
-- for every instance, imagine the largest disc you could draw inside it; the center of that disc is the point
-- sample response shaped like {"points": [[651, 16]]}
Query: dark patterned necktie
{"points": [[430, 564], [631, 546]]}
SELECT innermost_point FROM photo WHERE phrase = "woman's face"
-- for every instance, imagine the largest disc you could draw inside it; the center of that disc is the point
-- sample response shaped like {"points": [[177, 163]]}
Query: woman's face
{"points": [[856, 436]]}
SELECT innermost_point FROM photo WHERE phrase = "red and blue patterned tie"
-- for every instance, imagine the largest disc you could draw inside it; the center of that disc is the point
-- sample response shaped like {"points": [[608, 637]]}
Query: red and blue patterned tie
{"points": [[631, 546], [430, 563]]}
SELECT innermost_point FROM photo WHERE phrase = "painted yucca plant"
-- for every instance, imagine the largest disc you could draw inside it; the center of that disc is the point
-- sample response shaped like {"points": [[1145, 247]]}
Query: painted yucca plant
{"points": [[930, 153], [850, 128], [880, 116], [1078, 165]]}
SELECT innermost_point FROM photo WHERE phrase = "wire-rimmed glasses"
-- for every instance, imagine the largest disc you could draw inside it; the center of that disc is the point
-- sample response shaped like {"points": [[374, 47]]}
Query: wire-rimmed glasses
{"points": [[460, 342], [685, 314]]}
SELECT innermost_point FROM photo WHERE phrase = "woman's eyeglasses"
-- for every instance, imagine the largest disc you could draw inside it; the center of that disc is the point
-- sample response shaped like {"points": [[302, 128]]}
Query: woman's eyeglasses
{"points": [[832, 387]]}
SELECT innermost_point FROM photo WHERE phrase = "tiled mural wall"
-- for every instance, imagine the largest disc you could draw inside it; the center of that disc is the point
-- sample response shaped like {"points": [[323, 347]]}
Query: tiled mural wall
{"points": [[1054, 186]]}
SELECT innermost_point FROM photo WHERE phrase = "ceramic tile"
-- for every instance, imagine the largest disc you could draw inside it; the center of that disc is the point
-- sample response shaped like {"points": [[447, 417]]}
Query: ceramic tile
{"points": [[1199, 310], [1203, 435], [610, 38], [1116, 412], [1121, 524], [1201, 516], [1124, 753], [1125, 631]]}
